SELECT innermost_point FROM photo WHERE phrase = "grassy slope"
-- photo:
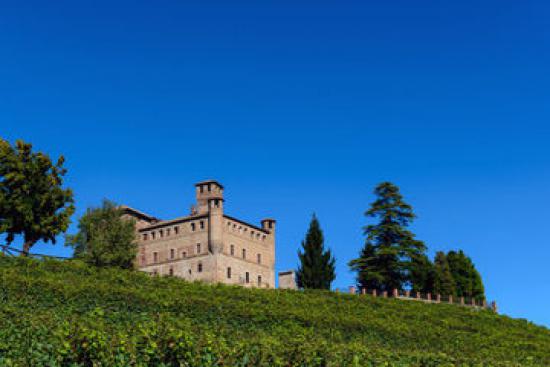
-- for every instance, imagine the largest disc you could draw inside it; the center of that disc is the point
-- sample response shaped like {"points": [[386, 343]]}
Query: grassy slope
{"points": [[55, 313]]}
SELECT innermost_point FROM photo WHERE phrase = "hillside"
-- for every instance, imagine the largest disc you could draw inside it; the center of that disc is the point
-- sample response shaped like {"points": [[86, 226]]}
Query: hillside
{"points": [[68, 314]]}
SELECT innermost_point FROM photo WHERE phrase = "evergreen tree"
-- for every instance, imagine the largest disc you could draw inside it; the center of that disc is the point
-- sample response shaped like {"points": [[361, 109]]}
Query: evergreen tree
{"points": [[422, 274], [33, 203], [104, 238], [467, 278], [444, 283], [316, 270], [385, 262]]}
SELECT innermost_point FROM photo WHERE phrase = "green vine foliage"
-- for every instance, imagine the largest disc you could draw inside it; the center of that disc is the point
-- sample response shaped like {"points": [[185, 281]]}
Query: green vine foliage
{"points": [[70, 314]]}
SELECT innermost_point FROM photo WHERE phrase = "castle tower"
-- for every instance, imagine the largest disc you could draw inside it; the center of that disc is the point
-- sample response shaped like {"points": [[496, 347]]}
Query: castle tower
{"points": [[205, 191]]}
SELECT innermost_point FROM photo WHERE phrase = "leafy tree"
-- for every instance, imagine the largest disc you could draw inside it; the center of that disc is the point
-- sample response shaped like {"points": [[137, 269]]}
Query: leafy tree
{"points": [[104, 238], [422, 274], [316, 270], [467, 279], [386, 259], [33, 202], [444, 283]]}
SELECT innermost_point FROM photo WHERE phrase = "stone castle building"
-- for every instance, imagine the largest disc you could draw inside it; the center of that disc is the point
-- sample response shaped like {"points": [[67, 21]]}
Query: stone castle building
{"points": [[208, 244]]}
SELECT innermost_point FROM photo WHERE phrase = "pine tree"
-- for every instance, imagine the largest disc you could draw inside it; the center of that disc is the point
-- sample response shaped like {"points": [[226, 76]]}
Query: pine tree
{"points": [[104, 238], [444, 283], [317, 265], [33, 202], [385, 262], [467, 278]]}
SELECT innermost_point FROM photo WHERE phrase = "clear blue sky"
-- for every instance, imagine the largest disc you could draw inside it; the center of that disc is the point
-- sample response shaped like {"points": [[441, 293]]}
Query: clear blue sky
{"points": [[302, 107]]}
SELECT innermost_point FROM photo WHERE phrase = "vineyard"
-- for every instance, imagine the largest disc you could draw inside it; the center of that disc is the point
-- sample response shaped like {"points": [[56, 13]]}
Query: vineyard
{"points": [[64, 313]]}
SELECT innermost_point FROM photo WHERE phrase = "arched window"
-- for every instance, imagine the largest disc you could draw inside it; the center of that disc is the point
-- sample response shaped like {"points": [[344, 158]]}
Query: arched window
{"points": [[199, 268], [232, 250], [244, 253], [247, 277]]}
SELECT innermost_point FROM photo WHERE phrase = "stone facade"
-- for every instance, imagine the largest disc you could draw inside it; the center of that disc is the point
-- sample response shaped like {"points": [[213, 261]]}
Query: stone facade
{"points": [[207, 245], [287, 280]]}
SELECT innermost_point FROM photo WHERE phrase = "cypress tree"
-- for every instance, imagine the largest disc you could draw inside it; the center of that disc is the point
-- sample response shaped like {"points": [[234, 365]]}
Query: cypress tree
{"points": [[422, 274], [467, 278], [444, 283], [385, 262], [316, 270]]}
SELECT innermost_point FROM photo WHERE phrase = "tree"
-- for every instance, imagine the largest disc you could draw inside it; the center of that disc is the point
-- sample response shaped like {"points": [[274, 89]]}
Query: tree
{"points": [[467, 279], [422, 274], [104, 238], [316, 270], [385, 261], [443, 283], [33, 202]]}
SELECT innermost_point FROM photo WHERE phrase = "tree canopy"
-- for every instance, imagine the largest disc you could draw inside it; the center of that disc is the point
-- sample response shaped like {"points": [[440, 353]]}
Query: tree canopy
{"points": [[385, 262], [33, 202], [105, 238], [317, 265]]}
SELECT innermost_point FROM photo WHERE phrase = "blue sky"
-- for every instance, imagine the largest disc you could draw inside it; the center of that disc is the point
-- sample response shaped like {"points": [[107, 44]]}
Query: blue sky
{"points": [[302, 107]]}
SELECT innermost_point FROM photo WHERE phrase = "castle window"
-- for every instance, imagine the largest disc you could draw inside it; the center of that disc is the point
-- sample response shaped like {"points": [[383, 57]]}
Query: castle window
{"points": [[167, 231], [252, 234], [171, 271], [263, 237], [202, 224], [257, 236], [176, 230], [145, 237], [259, 280], [184, 254], [172, 253], [228, 273], [259, 258], [153, 235], [198, 248], [155, 257], [143, 261], [155, 271], [244, 253], [247, 277], [193, 227], [199, 267], [202, 189], [209, 187], [161, 233], [232, 250]]}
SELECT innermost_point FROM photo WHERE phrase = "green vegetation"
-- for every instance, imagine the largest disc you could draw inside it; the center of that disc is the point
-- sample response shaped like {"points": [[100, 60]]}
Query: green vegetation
{"points": [[56, 313], [33, 203], [393, 259], [105, 238], [316, 270]]}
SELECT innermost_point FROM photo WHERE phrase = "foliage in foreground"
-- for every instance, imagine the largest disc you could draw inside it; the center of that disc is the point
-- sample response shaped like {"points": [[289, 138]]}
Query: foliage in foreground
{"points": [[69, 314]]}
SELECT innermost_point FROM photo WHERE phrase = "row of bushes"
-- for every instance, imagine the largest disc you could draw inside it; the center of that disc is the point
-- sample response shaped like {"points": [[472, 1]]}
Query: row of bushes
{"points": [[68, 314]]}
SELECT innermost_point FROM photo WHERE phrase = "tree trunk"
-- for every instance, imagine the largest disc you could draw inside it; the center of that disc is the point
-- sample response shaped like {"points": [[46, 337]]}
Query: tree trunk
{"points": [[26, 248]]}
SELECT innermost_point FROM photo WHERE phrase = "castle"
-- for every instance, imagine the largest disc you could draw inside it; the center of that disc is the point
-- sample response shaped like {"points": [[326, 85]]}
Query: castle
{"points": [[207, 245]]}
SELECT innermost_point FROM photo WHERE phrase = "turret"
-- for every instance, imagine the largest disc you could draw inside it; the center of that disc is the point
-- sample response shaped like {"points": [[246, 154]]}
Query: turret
{"points": [[268, 224], [205, 191]]}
